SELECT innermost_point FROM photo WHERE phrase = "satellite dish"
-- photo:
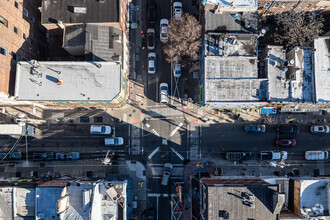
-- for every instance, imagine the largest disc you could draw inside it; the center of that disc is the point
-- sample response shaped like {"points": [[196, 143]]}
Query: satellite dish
{"points": [[21, 115], [21, 123]]}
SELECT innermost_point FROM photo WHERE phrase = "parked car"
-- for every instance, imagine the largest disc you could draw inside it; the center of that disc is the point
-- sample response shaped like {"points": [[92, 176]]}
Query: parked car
{"points": [[316, 155], [177, 10], [255, 128], [320, 129], [177, 67], [238, 155], [73, 156], [271, 155], [163, 93], [114, 141], [163, 30], [2, 155], [289, 129], [47, 156], [151, 12], [151, 38], [100, 129], [285, 142], [15, 155], [152, 63], [60, 156], [166, 174]]}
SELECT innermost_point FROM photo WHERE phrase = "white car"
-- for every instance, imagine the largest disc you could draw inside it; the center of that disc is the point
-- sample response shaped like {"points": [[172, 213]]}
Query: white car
{"points": [[152, 63], [163, 93], [100, 129], [114, 141], [320, 129], [177, 10], [177, 67], [166, 174], [163, 30]]}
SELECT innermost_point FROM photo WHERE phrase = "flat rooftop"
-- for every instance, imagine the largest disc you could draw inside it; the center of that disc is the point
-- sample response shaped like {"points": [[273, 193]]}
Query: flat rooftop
{"points": [[17, 202], [222, 199], [103, 203], [75, 208], [99, 42], [313, 192], [242, 22], [233, 79], [301, 75], [217, 45], [47, 202], [80, 11], [278, 85], [81, 81], [322, 68], [236, 3]]}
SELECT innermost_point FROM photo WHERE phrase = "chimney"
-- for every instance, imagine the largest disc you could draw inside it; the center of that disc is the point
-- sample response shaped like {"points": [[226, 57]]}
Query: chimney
{"points": [[59, 82]]}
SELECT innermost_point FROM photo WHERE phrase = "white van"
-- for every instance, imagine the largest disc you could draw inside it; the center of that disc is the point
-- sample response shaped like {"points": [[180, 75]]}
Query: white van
{"points": [[167, 172], [316, 155]]}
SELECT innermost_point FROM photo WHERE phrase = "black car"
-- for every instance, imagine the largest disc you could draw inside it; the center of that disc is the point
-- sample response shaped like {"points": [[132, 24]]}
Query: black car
{"points": [[151, 12], [151, 38], [288, 129]]}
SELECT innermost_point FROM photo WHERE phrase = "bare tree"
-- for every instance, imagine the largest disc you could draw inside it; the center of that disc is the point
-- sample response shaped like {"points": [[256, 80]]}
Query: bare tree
{"points": [[184, 38], [296, 29]]}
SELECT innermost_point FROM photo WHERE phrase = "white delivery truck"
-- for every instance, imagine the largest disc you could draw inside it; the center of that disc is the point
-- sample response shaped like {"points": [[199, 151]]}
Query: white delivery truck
{"points": [[16, 129]]}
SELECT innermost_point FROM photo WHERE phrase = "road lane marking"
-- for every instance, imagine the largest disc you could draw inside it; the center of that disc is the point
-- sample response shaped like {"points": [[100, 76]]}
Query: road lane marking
{"points": [[176, 129], [179, 155], [153, 153], [155, 132]]}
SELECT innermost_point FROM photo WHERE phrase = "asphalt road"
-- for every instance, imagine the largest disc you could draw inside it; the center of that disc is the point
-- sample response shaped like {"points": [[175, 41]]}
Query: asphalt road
{"points": [[69, 138], [219, 138]]}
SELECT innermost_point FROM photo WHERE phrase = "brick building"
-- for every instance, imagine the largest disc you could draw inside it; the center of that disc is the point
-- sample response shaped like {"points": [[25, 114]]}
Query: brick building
{"points": [[269, 7], [20, 33]]}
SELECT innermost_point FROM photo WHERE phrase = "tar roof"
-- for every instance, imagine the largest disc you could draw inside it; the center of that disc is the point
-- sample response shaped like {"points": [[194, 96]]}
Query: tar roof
{"points": [[236, 3], [244, 22], [222, 199], [69, 81], [278, 86], [47, 198], [86, 11], [301, 74], [99, 43], [322, 69], [233, 79], [313, 192]]}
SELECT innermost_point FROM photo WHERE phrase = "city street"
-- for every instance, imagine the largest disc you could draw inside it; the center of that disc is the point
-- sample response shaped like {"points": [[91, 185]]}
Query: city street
{"points": [[219, 138]]}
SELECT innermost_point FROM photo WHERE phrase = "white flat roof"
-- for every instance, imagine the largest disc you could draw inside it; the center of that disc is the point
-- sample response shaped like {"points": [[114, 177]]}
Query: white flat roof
{"points": [[81, 81], [237, 3], [322, 69], [314, 192], [278, 86]]}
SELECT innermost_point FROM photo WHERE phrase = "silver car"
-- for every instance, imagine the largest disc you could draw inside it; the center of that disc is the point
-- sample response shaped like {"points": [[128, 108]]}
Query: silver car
{"points": [[167, 173]]}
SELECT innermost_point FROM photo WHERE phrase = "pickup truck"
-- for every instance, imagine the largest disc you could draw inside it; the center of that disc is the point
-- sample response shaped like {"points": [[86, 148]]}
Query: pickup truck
{"points": [[238, 155], [271, 155]]}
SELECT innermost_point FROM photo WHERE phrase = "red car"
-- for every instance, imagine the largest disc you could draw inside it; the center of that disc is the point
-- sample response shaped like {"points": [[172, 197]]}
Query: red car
{"points": [[285, 142]]}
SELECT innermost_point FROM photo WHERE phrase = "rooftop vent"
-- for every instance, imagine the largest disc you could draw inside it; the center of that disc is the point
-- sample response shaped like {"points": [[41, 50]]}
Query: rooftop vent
{"points": [[80, 10]]}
